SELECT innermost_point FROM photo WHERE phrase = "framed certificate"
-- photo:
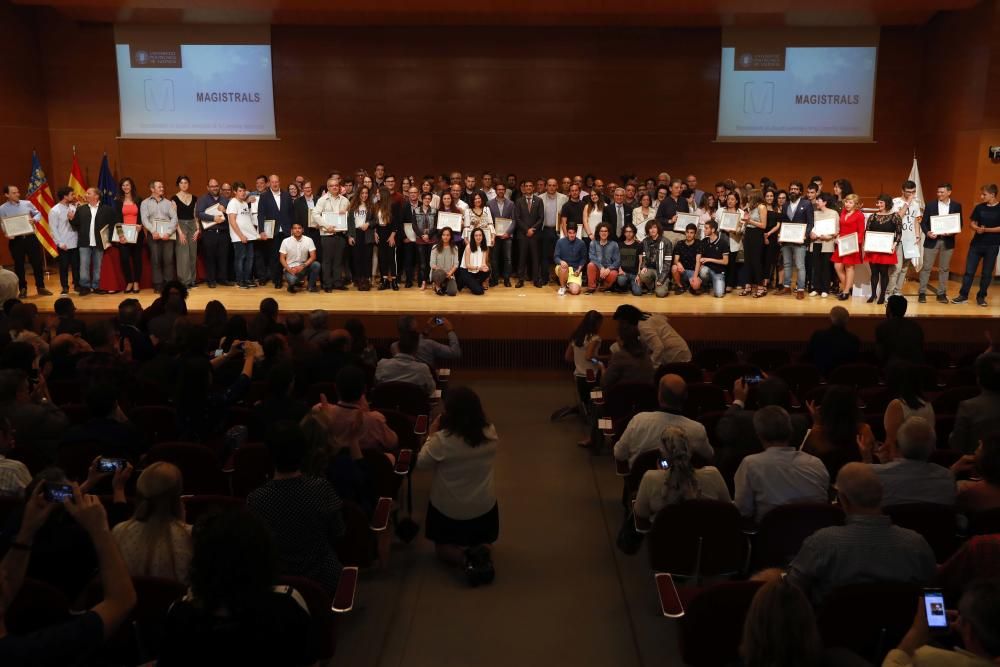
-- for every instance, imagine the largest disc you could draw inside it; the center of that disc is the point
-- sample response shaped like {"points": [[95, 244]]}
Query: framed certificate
{"points": [[848, 245], [502, 225], [336, 220], [131, 233], [825, 227], [728, 222], [879, 242], [946, 224], [17, 225], [105, 235], [685, 219], [792, 232], [213, 210], [269, 228], [452, 221], [165, 228], [408, 230]]}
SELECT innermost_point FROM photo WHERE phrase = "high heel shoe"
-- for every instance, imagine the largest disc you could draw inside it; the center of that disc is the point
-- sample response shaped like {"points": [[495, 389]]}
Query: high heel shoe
{"points": [[871, 299]]}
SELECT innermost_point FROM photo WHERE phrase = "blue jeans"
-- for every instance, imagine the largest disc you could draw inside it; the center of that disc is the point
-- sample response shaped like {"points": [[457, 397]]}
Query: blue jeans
{"points": [[794, 255], [311, 273], [243, 262], [718, 279], [90, 279], [628, 280], [988, 255]]}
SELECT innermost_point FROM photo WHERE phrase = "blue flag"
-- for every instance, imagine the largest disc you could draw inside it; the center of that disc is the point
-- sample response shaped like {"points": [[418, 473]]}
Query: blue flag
{"points": [[106, 185]]}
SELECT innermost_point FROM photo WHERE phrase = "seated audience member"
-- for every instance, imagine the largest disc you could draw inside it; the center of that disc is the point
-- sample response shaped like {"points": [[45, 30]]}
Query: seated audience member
{"points": [[780, 474], [629, 362], [65, 351], [665, 345], [405, 367], [333, 452], [235, 614], [372, 431], [317, 327], [907, 400], [977, 558], [267, 321], [165, 311], [979, 416], [911, 478], [9, 288], [365, 355], [14, 475], [834, 346], [780, 629], [77, 640], [201, 410], [463, 516], [25, 403], [278, 403], [899, 338], [582, 350], [107, 425], [570, 258], [645, 429], [867, 548], [156, 541], [303, 513], [430, 351], [679, 480], [976, 626], [66, 314], [982, 494], [129, 321], [840, 433]]}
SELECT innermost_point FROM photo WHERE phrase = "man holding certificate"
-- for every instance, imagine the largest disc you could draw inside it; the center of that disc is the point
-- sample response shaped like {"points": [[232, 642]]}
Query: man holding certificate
{"points": [[330, 215], [92, 221], [274, 205], [908, 251], [793, 235], [502, 210], [942, 222], [159, 217], [25, 245], [211, 214]]}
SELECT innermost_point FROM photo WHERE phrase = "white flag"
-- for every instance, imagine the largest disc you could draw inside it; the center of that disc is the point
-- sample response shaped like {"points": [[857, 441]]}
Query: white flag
{"points": [[915, 177]]}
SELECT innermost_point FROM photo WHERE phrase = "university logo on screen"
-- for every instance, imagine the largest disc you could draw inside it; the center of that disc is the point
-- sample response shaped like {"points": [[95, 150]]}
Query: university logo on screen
{"points": [[756, 60]]}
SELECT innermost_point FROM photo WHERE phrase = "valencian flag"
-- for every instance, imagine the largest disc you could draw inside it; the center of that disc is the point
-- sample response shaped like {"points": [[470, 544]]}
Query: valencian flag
{"points": [[106, 185], [77, 181], [40, 194]]}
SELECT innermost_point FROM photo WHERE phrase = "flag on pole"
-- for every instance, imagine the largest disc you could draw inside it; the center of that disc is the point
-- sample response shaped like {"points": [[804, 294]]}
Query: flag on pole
{"points": [[40, 194], [106, 185], [76, 180], [915, 177]]}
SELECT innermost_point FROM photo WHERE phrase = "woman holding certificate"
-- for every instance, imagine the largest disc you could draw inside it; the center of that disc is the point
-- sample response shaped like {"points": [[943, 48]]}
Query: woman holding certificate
{"points": [[385, 237], [753, 245], [880, 251], [478, 217], [593, 215], [824, 234], [729, 220], [847, 254], [129, 247], [361, 234], [642, 215]]}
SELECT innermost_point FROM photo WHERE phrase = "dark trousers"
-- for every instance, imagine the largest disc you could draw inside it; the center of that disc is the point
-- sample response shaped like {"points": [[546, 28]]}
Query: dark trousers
{"points": [[362, 256], [243, 260], [753, 256], [276, 272], [262, 260], [313, 233], [215, 246], [473, 281], [528, 249], [333, 260], [821, 271], [501, 258], [386, 259], [987, 255], [130, 259], [407, 259], [69, 260], [548, 250], [27, 246], [161, 256]]}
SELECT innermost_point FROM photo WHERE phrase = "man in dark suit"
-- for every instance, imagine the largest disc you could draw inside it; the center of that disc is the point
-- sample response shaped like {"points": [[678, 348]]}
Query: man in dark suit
{"points": [[666, 213], [979, 417], [303, 215], [275, 204], [500, 261], [617, 214], [799, 211], [835, 346], [90, 221], [529, 217], [938, 246]]}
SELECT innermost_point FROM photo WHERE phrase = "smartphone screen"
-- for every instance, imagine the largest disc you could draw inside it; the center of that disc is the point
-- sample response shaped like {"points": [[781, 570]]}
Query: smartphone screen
{"points": [[934, 606], [57, 493], [110, 465], [664, 464], [438, 320], [752, 379]]}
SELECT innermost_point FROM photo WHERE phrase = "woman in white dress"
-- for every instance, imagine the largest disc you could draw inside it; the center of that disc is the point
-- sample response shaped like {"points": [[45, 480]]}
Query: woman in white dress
{"points": [[642, 215]]}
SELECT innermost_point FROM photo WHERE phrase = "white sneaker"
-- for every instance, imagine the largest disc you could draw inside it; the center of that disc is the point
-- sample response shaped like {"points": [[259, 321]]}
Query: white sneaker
{"points": [[814, 293], [562, 291], [824, 295]]}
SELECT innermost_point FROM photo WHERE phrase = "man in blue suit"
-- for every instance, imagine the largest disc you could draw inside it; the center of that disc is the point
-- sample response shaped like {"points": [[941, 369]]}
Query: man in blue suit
{"points": [[938, 246], [275, 204], [799, 211]]}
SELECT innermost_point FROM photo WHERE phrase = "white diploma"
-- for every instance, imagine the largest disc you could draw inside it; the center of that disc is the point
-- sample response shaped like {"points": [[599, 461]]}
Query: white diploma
{"points": [[453, 221], [879, 242], [826, 227], [336, 220], [910, 249], [18, 225], [408, 230], [685, 219], [165, 228], [848, 245], [946, 224], [105, 235], [131, 233], [728, 222], [269, 228], [213, 210], [502, 225], [792, 232]]}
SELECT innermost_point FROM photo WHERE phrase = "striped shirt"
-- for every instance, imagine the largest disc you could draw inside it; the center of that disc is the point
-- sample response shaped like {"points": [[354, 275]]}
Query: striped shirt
{"points": [[14, 477]]}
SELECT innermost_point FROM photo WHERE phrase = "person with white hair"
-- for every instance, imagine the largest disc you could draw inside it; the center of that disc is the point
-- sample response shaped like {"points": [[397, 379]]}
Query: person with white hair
{"points": [[912, 478]]}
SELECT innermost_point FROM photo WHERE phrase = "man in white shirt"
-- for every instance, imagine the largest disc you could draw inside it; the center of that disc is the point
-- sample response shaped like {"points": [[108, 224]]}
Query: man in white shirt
{"points": [[26, 245], [780, 474], [242, 231], [64, 236], [298, 260], [456, 197], [91, 220], [644, 430], [333, 241], [552, 203], [912, 478], [405, 367], [910, 211], [938, 246]]}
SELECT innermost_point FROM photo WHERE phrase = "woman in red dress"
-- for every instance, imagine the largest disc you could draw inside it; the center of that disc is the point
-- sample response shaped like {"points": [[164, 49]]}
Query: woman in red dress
{"points": [[852, 221], [883, 220]]}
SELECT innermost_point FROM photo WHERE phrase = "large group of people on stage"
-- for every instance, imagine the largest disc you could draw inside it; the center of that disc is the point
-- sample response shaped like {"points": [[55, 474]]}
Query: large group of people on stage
{"points": [[455, 232]]}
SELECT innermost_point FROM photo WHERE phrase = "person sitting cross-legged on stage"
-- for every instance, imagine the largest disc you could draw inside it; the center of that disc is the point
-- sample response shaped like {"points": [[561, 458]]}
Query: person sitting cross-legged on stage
{"points": [[298, 260]]}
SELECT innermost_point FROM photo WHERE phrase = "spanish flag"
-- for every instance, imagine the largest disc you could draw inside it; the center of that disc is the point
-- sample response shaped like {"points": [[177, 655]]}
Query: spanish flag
{"points": [[77, 181]]}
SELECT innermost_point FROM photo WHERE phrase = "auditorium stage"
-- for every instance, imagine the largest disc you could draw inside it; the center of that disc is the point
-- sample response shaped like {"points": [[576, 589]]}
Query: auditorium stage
{"points": [[540, 314]]}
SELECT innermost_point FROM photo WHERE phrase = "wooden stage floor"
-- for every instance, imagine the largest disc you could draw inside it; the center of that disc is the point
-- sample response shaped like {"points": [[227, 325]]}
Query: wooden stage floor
{"points": [[533, 313]]}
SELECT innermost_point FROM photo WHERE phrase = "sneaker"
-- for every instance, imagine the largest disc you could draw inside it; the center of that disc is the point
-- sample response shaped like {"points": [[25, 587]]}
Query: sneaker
{"points": [[244, 285], [562, 291], [981, 301], [824, 295], [960, 299], [921, 298], [43, 292], [814, 293], [942, 298], [64, 292]]}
